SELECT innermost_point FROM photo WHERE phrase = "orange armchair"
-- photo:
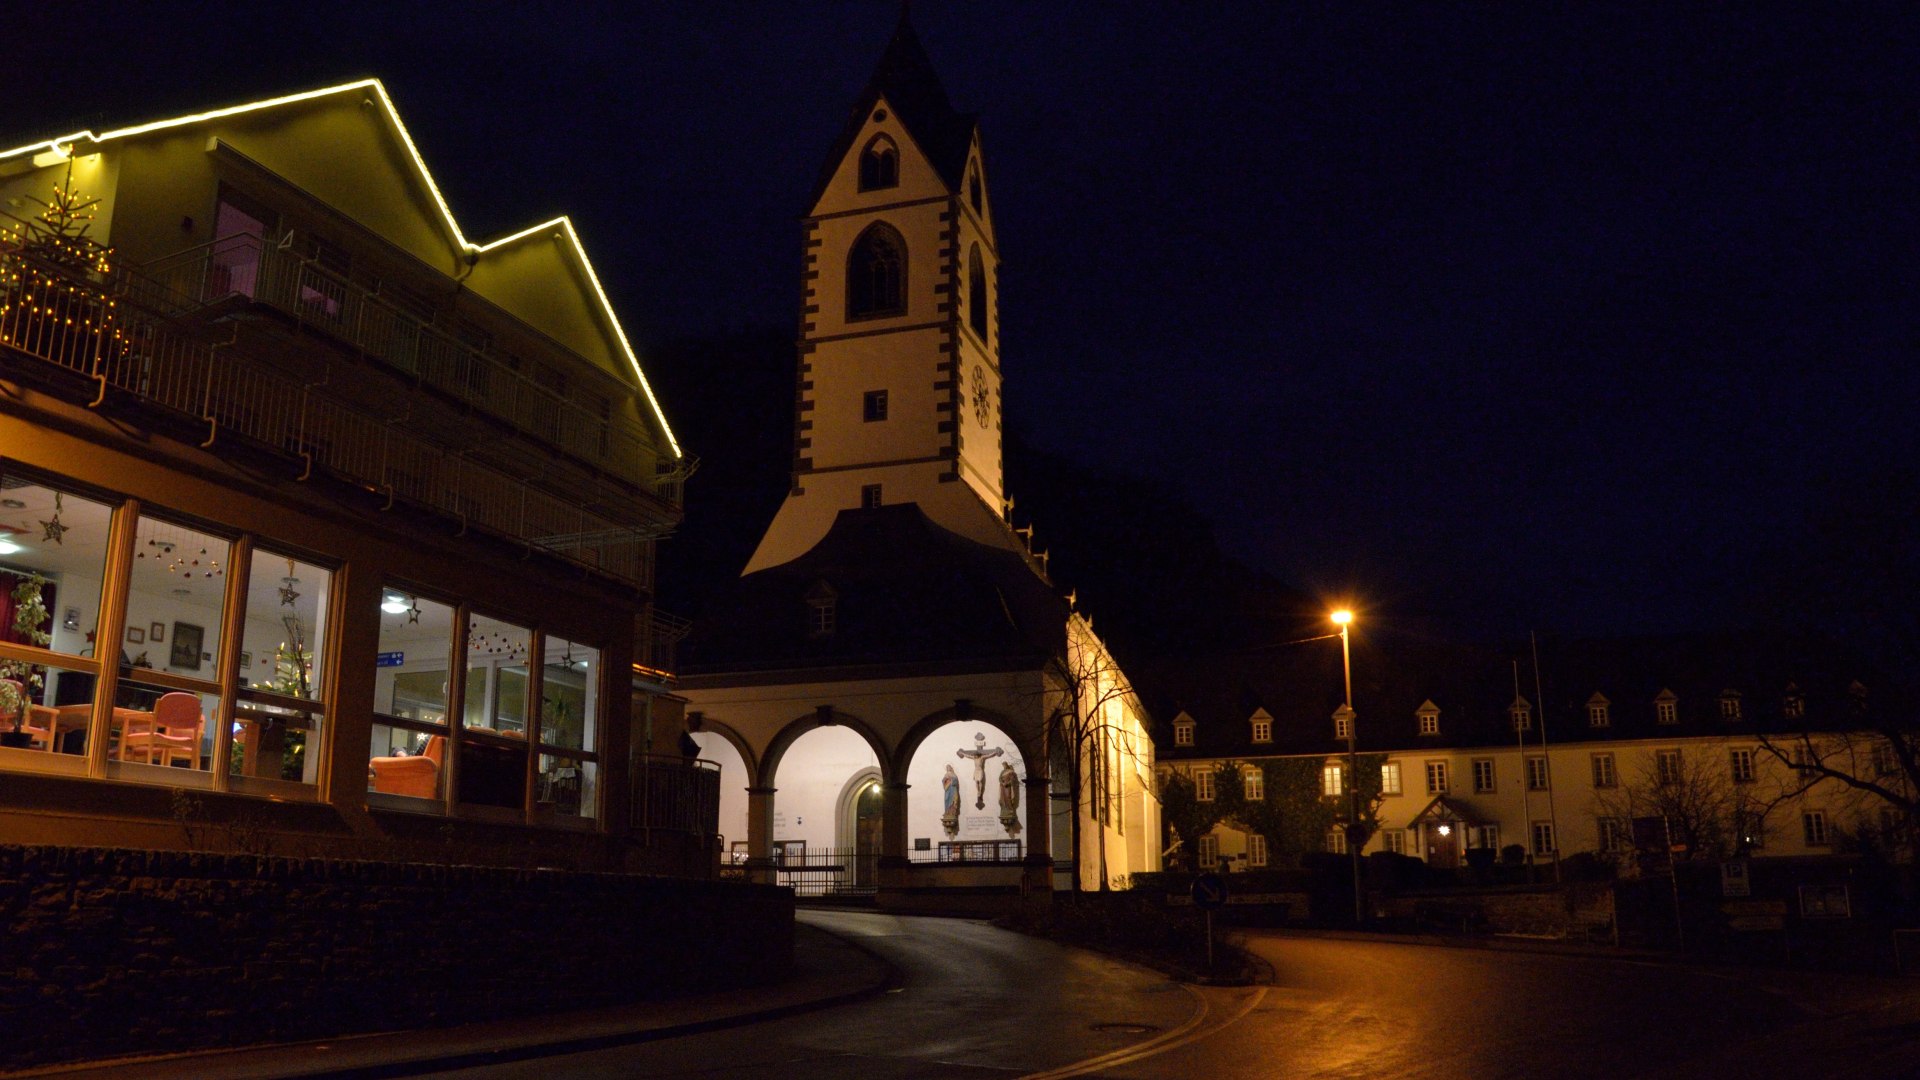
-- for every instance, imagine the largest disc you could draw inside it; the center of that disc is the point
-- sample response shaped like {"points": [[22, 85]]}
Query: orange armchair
{"points": [[416, 776], [172, 732]]}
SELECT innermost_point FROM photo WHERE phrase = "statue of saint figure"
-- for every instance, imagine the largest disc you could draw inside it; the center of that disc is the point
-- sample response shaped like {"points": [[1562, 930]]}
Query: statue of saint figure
{"points": [[979, 755], [1009, 799], [950, 803]]}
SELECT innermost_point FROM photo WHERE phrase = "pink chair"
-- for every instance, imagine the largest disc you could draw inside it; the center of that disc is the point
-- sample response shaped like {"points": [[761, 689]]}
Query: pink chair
{"points": [[31, 714], [172, 732], [416, 776]]}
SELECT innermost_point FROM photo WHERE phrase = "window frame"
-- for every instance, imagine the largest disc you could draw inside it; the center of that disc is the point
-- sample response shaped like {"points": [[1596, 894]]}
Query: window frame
{"points": [[1203, 785], [1438, 782], [1483, 767], [1390, 780], [1741, 764], [1539, 773], [873, 406], [1183, 734], [1603, 762]]}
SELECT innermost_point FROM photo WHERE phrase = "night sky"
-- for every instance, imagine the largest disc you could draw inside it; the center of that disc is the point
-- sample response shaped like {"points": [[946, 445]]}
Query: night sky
{"points": [[1516, 315]]}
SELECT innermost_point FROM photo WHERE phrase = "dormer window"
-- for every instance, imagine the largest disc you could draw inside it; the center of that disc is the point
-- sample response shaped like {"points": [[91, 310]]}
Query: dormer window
{"points": [[1666, 707], [1521, 714], [1599, 711], [1262, 726], [822, 605], [1429, 717], [1794, 705], [879, 165], [1183, 730], [1343, 723], [1729, 705]]}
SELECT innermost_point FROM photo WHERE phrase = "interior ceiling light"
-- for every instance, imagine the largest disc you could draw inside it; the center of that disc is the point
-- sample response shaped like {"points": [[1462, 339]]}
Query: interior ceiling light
{"points": [[395, 604], [8, 547]]}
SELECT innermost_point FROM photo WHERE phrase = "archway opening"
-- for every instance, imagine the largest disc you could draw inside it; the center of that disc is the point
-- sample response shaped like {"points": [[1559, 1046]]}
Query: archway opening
{"points": [[734, 781], [966, 800], [819, 784]]}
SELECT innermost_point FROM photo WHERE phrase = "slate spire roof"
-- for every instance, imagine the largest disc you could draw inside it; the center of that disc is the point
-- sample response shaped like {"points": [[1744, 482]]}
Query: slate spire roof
{"points": [[906, 79]]}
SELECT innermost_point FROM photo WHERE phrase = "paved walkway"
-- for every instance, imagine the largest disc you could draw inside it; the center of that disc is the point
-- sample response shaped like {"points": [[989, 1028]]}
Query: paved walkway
{"points": [[827, 970]]}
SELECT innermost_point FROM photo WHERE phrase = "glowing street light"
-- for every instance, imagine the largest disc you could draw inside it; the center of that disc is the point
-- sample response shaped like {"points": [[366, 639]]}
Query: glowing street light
{"points": [[1342, 618]]}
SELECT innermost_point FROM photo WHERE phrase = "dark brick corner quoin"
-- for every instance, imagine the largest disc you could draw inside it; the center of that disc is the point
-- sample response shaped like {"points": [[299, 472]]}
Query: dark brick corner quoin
{"points": [[111, 952]]}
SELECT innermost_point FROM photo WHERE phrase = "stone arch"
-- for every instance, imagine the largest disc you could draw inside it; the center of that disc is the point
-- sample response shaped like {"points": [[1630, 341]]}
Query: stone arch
{"points": [[928, 724], [733, 737], [825, 716]]}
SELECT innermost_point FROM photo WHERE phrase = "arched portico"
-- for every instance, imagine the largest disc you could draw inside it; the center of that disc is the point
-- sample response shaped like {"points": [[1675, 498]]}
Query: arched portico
{"points": [[807, 799]]}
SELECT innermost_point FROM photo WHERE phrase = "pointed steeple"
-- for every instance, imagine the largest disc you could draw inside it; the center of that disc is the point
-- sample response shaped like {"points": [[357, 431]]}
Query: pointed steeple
{"points": [[904, 78]]}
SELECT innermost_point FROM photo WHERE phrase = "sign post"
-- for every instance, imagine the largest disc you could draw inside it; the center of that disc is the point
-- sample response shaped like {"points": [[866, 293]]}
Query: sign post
{"points": [[1209, 894]]}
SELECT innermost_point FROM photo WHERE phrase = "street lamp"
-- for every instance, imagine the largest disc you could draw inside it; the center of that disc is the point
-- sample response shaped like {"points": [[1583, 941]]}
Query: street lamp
{"points": [[1342, 618]]}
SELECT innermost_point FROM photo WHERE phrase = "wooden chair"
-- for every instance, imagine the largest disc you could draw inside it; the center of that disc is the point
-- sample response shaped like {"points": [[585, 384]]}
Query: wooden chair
{"points": [[172, 732], [418, 776]]}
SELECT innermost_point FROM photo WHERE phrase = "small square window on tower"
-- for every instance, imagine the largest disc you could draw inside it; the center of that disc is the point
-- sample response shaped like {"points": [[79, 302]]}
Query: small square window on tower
{"points": [[874, 406], [869, 496]]}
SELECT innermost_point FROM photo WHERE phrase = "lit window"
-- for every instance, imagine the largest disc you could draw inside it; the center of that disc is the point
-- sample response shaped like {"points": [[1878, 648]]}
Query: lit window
{"points": [[567, 773], [1536, 774], [1813, 826], [1543, 838], [879, 165], [1436, 778], [1209, 851], [1666, 766], [1666, 708], [1256, 850], [874, 406], [1330, 780], [285, 635], [1614, 835], [1255, 784], [1482, 776], [412, 686], [1390, 778], [492, 768], [1604, 775], [1203, 785], [1740, 762], [877, 273], [1183, 734]]}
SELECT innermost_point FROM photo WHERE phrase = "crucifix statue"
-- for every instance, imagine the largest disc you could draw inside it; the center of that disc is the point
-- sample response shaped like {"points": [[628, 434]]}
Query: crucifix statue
{"points": [[979, 755]]}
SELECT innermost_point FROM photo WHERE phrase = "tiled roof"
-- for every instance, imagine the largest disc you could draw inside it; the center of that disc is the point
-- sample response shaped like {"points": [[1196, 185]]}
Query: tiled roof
{"points": [[1473, 686], [904, 591]]}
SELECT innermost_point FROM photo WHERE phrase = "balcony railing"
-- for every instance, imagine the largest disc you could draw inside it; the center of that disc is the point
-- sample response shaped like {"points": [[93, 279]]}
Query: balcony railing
{"points": [[308, 294], [120, 330], [676, 794]]}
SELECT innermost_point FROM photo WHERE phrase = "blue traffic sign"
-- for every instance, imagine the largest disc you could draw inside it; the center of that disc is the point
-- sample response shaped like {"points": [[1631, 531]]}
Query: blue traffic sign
{"points": [[1209, 892]]}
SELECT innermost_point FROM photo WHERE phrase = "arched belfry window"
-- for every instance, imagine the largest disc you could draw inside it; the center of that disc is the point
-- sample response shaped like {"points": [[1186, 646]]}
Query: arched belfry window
{"points": [[973, 188], [877, 273], [879, 165], [977, 293]]}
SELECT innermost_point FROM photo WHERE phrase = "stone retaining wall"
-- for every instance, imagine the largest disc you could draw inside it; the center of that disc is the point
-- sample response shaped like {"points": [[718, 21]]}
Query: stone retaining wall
{"points": [[110, 952]]}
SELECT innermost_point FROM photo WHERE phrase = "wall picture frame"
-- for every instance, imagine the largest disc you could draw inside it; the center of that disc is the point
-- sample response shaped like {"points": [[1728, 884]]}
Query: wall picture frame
{"points": [[246, 660], [157, 632], [136, 636], [186, 646]]}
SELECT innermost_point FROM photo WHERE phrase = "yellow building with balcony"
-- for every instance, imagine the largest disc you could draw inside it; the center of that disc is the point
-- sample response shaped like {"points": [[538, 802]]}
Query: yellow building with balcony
{"points": [[321, 521]]}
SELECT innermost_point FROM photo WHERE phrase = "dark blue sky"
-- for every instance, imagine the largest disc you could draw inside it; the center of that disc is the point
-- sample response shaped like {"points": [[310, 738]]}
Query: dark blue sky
{"points": [[1551, 315]]}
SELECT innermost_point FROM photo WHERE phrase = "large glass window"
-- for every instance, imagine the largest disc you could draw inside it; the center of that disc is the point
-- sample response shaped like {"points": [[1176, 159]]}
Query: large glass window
{"points": [[53, 546], [412, 694], [169, 689], [493, 751], [282, 640]]}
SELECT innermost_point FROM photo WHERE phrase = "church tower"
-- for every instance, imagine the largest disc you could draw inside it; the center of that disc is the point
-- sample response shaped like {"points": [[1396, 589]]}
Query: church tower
{"points": [[899, 381]]}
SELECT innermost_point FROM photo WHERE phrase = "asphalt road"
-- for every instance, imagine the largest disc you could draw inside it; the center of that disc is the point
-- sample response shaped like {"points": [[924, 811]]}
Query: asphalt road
{"points": [[975, 1001]]}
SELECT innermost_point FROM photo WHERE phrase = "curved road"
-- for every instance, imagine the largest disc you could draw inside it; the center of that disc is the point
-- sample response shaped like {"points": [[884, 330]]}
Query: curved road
{"points": [[976, 1001]]}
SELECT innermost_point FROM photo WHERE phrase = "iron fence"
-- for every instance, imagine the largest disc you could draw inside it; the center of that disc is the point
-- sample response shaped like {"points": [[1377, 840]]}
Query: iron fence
{"points": [[827, 871], [676, 794]]}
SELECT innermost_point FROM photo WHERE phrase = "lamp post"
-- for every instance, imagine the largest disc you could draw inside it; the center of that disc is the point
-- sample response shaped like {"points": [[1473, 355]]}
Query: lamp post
{"points": [[1342, 618]]}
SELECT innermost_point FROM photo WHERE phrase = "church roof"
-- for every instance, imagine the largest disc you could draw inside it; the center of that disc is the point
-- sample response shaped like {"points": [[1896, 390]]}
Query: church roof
{"points": [[904, 592], [905, 77]]}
